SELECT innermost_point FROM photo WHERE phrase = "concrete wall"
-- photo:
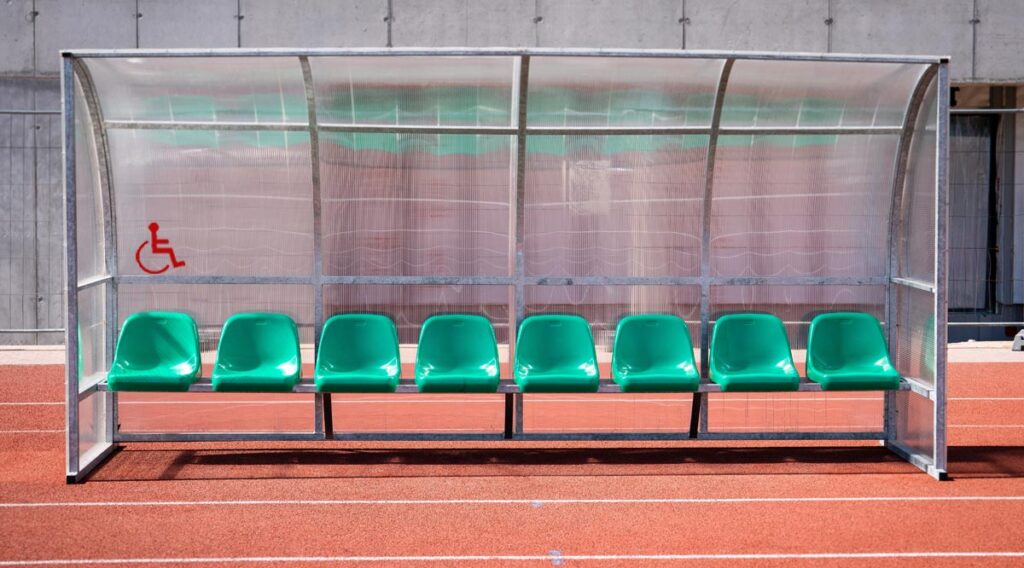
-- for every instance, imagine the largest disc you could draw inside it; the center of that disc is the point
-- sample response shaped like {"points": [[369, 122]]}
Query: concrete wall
{"points": [[984, 38]]}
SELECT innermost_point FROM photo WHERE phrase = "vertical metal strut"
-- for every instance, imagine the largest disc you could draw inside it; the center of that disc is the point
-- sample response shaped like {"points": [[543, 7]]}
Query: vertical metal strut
{"points": [[698, 411], [323, 419]]}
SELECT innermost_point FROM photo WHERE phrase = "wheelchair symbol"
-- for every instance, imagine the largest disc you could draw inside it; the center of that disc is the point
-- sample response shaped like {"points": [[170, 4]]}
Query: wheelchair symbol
{"points": [[157, 247]]}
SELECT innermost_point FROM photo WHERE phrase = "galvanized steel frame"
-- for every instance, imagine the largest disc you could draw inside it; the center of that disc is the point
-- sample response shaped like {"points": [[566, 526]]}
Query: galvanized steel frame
{"points": [[78, 466]]}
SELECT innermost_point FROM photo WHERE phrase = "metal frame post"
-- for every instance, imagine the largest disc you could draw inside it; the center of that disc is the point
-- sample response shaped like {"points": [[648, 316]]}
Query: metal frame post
{"points": [[323, 417], [941, 270], [699, 410], [71, 372], [523, 77]]}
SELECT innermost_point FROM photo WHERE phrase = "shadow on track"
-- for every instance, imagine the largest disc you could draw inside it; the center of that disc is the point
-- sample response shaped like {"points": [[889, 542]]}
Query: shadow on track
{"points": [[139, 463]]}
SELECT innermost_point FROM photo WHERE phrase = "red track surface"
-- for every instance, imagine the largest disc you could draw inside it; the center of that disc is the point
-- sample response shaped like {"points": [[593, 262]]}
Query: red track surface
{"points": [[605, 504]]}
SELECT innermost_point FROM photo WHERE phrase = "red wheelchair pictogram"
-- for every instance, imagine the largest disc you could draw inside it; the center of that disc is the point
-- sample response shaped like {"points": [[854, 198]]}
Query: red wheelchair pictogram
{"points": [[157, 248]]}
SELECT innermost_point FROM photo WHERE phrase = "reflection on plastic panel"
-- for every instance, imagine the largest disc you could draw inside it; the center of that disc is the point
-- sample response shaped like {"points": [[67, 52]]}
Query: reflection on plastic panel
{"points": [[228, 203], [812, 93], [770, 193], [631, 92], [415, 204], [414, 91], [614, 205], [201, 89]]}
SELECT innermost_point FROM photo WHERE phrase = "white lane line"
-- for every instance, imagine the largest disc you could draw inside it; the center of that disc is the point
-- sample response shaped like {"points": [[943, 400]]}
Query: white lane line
{"points": [[517, 558], [530, 502], [987, 426]]}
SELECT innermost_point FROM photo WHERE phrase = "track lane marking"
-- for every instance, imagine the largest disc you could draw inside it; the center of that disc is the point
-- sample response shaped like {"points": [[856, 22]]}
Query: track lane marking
{"points": [[529, 502], [518, 558]]}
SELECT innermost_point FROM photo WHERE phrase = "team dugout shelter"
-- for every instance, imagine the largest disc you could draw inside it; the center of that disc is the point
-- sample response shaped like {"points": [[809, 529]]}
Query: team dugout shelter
{"points": [[758, 237]]}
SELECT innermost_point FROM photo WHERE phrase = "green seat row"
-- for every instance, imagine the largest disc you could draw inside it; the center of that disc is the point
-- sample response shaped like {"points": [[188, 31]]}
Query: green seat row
{"points": [[259, 352]]}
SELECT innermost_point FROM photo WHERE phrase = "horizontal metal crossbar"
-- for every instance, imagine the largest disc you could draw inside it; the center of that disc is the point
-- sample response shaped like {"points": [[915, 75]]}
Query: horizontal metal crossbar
{"points": [[408, 386], [500, 130], [203, 125], [510, 280], [505, 51]]}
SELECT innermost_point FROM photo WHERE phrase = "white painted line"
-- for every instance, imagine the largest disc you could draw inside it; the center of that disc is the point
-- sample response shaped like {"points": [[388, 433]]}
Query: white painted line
{"points": [[530, 502], [31, 431], [516, 558], [31, 404], [986, 426]]}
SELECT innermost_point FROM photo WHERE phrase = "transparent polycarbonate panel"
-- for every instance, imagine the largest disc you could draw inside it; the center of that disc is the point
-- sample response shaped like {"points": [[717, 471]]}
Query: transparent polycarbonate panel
{"points": [[92, 425], [744, 413], [809, 205], [410, 305], [614, 205], [644, 413], [916, 250], [915, 426], [201, 89], [144, 412], [444, 91], [92, 333], [818, 93], [915, 334], [591, 91], [419, 413], [797, 305], [416, 204], [226, 202], [88, 200], [212, 304], [604, 306]]}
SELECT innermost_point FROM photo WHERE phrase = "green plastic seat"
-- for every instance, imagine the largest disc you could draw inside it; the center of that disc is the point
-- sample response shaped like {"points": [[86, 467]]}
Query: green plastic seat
{"points": [[258, 352], [653, 353], [750, 353], [457, 353], [156, 351], [847, 351], [555, 353], [358, 353]]}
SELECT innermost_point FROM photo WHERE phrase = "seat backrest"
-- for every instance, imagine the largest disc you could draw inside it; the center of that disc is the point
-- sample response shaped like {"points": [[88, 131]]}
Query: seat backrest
{"points": [[554, 341], [840, 339], [158, 339], [250, 340], [453, 341], [745, 341], [354, 341], [652, 340]]}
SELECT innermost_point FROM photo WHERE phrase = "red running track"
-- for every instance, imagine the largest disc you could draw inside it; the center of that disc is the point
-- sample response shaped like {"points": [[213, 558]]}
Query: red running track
{"points": [[517, 504]]}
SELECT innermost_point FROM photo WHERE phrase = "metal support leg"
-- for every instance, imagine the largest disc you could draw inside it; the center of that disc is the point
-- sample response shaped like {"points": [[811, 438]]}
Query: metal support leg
{"points": [[510, 415], [328, 416], [695, 411]]}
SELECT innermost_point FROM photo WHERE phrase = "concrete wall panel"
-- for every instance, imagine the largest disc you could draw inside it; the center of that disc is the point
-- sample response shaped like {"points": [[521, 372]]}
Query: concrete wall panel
{"points": [[755, 25], [645, 24], [1000, 41], [464, 23], [78, 24], [314, 23], [921, 27], [16, 31], [188, 23]]}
